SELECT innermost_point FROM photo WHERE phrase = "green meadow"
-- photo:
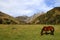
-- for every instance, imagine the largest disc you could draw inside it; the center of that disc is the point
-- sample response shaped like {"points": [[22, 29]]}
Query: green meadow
{"points": [[27, 32]]}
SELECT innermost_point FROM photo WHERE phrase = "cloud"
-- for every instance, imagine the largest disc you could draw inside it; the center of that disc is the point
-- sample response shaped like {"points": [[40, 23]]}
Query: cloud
{"points": [[23, 7], [57, 3]]}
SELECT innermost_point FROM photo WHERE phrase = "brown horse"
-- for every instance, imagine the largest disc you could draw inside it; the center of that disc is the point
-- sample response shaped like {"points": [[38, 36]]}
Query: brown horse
{"points": [[47, 30]]}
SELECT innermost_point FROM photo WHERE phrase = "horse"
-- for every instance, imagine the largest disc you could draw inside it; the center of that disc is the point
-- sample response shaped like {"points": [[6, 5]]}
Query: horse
{"points": [[47, 30]]}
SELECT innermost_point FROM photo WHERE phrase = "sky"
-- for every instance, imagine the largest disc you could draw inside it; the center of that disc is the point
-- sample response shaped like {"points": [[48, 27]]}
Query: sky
{"points": [[27, 7]]}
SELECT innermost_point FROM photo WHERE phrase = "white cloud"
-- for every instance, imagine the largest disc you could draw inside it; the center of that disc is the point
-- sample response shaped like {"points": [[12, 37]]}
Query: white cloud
{"points": [[57, 3], [23, 7]]}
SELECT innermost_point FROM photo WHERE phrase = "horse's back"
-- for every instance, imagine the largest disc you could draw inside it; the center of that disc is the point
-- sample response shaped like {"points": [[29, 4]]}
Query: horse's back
{"points": [[47, 28]]}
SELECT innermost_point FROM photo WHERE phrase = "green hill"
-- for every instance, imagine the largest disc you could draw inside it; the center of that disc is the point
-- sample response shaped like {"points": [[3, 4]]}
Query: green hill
{"points": [[7, 19], [51, 17]]}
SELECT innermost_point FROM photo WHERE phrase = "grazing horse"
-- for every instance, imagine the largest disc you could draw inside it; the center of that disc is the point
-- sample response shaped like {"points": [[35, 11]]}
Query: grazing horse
{"points": [[47, 30]]}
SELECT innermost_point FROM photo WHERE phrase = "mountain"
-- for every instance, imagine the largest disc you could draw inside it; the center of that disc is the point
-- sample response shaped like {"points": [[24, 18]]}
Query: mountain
{"points": [[7, 19], [22, 19], [50, 17], [34, 18]]}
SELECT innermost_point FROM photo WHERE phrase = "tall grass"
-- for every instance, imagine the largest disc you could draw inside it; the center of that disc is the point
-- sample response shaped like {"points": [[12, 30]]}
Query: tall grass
{"points": [[26, 32]]}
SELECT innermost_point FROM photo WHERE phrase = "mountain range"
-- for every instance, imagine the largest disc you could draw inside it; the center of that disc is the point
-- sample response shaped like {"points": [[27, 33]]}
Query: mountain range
{"points": [[50, 17]]}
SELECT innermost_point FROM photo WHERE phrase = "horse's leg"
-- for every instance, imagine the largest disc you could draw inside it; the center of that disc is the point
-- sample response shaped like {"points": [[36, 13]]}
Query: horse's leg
{"points": [[52, 32], [46, 33], [42, 32]]}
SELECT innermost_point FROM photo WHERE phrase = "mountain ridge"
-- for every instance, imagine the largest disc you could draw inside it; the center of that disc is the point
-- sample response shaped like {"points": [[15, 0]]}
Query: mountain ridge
{"points": [[7, 19]]}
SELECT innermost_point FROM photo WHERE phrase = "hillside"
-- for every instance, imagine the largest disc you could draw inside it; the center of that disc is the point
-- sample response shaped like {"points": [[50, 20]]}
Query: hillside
{"points": [[7, 19], [34, 18], [51, 17], [22, 19]]}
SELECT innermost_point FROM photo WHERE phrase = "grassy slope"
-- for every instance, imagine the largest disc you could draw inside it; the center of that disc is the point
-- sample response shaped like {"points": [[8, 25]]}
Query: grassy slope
{"points": [[26, 32], [6, 16]]}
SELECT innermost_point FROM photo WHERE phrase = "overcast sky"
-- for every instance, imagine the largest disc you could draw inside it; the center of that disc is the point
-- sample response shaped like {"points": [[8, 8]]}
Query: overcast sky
{"points": [[26, 7]]}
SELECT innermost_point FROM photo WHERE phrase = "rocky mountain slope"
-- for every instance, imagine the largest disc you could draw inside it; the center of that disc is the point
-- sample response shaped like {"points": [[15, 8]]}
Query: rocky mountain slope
{"points": [[51, 17], [7, 19]]}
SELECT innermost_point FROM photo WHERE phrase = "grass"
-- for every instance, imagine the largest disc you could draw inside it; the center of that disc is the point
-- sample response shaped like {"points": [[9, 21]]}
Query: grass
{"points": [[26, 32]]}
